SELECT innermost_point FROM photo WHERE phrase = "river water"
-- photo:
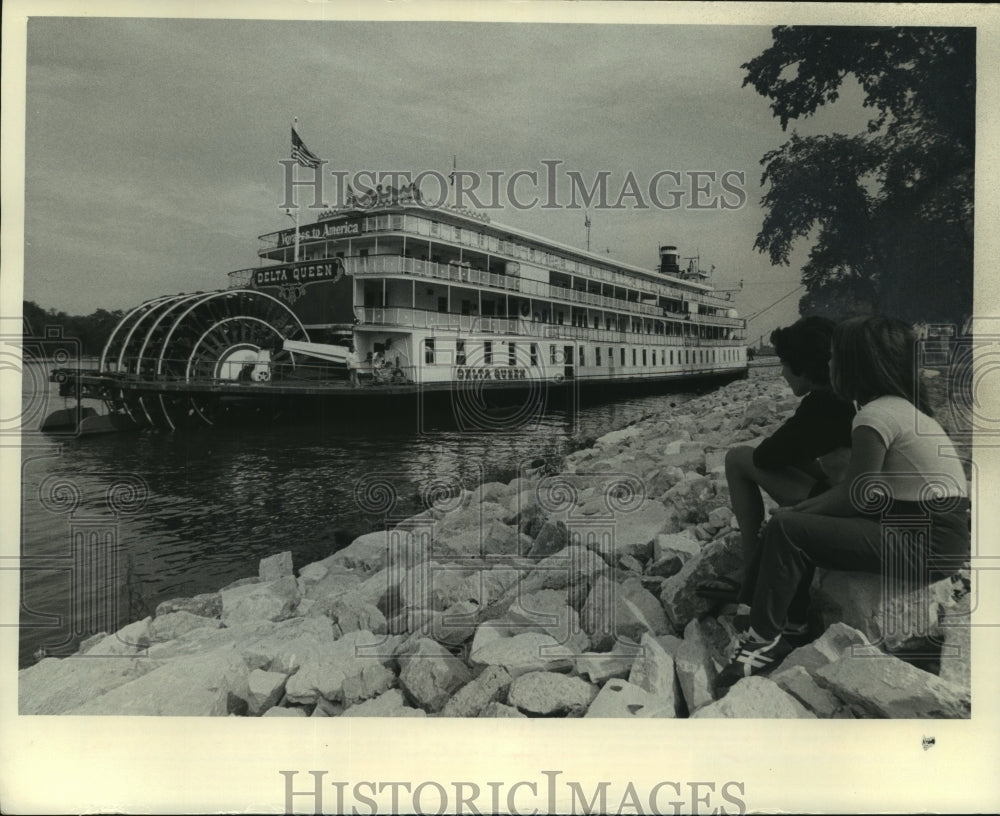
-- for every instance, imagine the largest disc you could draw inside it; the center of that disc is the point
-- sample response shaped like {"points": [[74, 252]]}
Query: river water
{"points": [[114, 524]]}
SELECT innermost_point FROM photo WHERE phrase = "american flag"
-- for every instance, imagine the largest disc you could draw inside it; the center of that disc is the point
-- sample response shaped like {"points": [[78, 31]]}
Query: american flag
{"points": [[302, 154]]}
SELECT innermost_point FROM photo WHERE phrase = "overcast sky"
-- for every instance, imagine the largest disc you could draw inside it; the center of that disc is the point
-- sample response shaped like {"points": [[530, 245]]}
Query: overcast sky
{"points": [[153, 145]]}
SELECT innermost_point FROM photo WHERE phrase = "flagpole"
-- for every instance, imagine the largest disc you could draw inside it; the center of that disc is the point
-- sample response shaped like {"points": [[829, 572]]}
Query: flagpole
{"points": [[295, 121]]}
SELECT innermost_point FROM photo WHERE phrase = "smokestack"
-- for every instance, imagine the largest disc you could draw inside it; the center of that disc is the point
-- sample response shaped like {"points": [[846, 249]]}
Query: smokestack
{"points": [[668, 260]]}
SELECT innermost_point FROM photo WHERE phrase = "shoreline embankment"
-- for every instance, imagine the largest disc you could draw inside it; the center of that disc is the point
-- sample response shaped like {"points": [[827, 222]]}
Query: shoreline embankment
{"points": [[568, 594]]}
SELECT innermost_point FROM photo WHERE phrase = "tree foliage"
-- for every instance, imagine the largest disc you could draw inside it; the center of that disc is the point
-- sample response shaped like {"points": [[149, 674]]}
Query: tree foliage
{"points": [[889, 210], [92, 331]]}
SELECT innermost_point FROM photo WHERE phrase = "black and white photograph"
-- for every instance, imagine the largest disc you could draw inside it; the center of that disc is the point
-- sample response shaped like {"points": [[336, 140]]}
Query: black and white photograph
{"points": [[564, 364]]}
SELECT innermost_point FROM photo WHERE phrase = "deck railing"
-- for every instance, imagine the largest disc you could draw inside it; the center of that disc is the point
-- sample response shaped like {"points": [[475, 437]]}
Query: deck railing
{"points": [[423, 319]]}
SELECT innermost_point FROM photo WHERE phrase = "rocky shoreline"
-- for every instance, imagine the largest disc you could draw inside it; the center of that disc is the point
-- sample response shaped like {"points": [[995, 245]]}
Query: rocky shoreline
{"points": [[566, 594]]}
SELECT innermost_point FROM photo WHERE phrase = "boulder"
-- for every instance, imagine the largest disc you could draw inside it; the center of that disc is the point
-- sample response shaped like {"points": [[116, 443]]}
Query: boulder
{"points": [[625, 610], [265, 689], [599, 667], [634, 531], [275, 566], [367, 553], [132, 639], [373, 679], [273, 600], [496, 709], [800, 684], [621, 699], [888, 687], [173, 625], [474, 697], [755, 698], [549, 693], [546, 611], [350, 613], [698, 660], [321, 580], [654, 671], [280, 711], [213, 684], [956, 662], [324, 668], [520, 654], [571, 569], [684, 544], [429, 673], [389, 704], [903, 620], [836, 642], [723, 556], [433, 585], [207, 605], [55, 686], [552, 538]]}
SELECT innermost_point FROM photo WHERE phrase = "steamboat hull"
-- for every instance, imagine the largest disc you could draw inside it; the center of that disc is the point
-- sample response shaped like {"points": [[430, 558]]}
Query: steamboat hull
{"points": [[176, 405]]}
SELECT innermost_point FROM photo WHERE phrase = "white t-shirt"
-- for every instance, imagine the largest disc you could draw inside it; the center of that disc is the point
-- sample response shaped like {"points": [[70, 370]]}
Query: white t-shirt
{"points": [[919, 455]]}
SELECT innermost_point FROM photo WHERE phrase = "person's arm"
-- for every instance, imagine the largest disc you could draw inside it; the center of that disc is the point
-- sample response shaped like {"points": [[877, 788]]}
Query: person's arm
{"points": [[867, 458]]}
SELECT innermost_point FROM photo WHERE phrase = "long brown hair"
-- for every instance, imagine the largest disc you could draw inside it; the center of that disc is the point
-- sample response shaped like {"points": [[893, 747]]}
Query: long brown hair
{"points": [[876, 357]]}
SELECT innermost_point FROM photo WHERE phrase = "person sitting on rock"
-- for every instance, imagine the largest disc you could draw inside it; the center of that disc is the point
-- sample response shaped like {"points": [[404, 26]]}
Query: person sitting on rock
{"points": [[902, 464], [801, 459]]}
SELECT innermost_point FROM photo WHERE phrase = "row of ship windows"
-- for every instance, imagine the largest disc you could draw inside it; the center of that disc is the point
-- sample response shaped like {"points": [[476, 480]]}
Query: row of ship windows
{"points": [[563, 356], [471, 238]]}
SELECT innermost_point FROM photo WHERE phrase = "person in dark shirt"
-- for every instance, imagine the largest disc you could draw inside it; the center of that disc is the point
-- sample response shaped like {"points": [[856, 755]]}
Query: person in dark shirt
{"points": [[803, 458]]}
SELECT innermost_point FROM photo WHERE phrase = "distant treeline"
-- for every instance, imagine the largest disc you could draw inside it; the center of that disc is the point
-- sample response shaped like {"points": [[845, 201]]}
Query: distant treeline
{"points": [[91, 331]]}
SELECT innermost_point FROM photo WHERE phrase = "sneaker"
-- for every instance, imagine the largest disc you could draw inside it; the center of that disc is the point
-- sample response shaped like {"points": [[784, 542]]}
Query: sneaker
{"points": [[793, 631], [753, 657]]}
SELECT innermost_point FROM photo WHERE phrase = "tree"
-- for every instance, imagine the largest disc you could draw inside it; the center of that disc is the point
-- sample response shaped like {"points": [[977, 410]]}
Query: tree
{"points": [[889, 210]]}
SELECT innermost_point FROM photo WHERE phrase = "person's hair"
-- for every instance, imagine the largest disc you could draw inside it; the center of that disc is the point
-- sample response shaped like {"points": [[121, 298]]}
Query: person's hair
{"points": [[805, 346], [876, 357]]}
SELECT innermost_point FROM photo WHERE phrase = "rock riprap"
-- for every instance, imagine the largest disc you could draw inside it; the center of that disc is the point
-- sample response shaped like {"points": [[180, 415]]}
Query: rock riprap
{"points": [[553, 595]]}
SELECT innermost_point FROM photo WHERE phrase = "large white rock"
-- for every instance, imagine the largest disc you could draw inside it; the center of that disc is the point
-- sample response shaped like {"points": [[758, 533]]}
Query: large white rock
{"points": [[208, 605], [800, 684], [496, 709], [349, 613], [430, 674], [177, 624], [520, 654], [213, 684], [755, 698], [546, 611], [902, 620], [654, 671], [279, 711], [54, 686], [389, 704], [372, 680], [627, 610], [265, 689], [274, 600], [888, 687], [473, 697], [543, 692], [323, 671], [275, 566], [599, 667], [619, 698], [836, 642], [132, 639]]}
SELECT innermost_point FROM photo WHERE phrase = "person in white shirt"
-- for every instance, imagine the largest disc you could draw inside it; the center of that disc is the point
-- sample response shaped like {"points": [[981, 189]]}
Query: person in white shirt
{"points": [[902, 465]]}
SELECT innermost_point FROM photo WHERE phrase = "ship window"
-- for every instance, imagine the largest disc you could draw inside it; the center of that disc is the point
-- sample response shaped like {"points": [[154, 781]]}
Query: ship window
{"points": [[611, 356], [644, 356], [597, 356], [363, 253], [671, 356], [429, 351], [442, 304], [633, 356], [623, 355], [459, 352], [488, 352], [512, 354], [534, 354], [581, 356], [663, 357]]}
